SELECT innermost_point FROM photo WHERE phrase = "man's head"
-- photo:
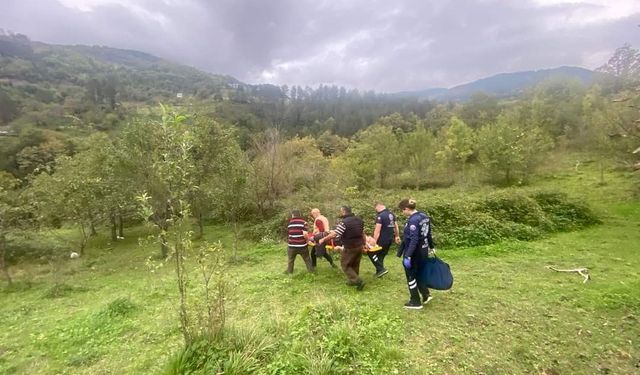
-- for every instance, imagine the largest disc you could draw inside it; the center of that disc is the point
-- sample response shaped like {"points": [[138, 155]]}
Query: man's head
{"points": [[345, 211], [315, 213], [407, 206], [380, 206], [296, 213]]}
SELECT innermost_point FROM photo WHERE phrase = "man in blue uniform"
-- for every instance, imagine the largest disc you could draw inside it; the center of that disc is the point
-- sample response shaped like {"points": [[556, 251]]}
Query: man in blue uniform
{"points": [[384, 233], [415, 246]]}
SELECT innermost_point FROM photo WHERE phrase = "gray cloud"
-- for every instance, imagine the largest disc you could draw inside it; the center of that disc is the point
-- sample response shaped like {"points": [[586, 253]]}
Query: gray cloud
{"points": [[381, 45]]}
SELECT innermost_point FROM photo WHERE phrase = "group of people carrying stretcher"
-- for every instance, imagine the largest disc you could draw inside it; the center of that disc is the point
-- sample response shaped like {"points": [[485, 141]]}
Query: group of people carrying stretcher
{"points": [[351, 241]]}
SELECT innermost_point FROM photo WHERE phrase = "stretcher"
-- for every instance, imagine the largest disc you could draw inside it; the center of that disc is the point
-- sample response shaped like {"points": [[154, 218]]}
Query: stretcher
{"points": [[331, 246]]}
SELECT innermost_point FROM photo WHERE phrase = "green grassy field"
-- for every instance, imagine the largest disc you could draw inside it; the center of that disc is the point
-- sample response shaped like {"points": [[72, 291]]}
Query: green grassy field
{"points": [[107, 313]]}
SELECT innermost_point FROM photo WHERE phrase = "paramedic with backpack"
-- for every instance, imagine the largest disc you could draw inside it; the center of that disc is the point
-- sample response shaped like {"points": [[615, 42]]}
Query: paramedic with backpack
{"points": [[415, 246]]}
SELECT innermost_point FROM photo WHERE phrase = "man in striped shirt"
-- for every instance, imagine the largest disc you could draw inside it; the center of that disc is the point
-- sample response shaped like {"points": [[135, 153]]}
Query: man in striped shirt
{"points": [[351, 232], [297, 233]]}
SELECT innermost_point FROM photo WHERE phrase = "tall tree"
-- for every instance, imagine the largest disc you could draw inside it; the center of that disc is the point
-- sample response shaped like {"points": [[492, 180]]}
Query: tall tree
{"points": [[625, 64], [215, 150], [73, 193], [457, 144], [8, 218], [419, 148], [373, 157], [510, 149]]}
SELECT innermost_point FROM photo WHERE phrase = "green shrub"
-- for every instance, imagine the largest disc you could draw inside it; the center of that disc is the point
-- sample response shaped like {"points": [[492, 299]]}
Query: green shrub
{"points": [[61, 290], [520, 231], [34, 246], [515, 207], [451, 213], [503, 216], [564, 213], [119, 307], [267, 230], [482, 230], [497, 217]]}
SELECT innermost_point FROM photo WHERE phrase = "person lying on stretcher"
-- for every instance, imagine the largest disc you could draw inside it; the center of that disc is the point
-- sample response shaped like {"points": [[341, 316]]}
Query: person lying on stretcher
{"points": [[370, 244], [332, 245]]}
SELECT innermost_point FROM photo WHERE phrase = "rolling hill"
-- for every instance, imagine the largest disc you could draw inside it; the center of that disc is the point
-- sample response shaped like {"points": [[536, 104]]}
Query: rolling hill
{"points": [[501, 85]]}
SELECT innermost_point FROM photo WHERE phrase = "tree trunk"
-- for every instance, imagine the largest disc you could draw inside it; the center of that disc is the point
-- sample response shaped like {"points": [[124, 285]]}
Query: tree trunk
{"points": [[164, 247], [3, 259], [120, 226], [464, 173], [200, 225], [84, 239], [235, 236], [114, 231], [92, 225], [601, 172], [182, 289], [93, 229]]}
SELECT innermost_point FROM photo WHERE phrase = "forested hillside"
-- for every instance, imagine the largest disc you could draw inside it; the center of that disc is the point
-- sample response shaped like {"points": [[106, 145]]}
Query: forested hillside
{"points": [[45, 83]]}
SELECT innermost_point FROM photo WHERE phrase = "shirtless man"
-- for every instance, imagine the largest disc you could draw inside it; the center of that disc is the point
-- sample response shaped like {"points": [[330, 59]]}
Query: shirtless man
{"points": [[320, 229]]}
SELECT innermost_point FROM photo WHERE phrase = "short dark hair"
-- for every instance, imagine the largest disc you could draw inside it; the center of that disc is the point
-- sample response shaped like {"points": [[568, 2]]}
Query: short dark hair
{"points": [[296, 213], [346, 209], [407, 203]]}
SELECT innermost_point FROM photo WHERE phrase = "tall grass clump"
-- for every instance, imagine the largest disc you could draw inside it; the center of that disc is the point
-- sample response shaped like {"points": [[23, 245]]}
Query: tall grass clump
{"points": [[347, 339], [234, 351]]}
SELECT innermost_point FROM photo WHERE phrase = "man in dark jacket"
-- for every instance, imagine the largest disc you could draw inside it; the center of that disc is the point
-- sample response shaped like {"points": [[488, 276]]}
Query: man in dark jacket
{"points": [[415, 246], [351, 232]]}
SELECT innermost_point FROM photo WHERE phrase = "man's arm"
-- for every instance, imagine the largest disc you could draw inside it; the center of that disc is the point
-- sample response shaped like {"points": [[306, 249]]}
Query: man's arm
{"points": [[305, 231], [332, 234], [396, 232], [376, 232], [432, 245], [325, 222]]}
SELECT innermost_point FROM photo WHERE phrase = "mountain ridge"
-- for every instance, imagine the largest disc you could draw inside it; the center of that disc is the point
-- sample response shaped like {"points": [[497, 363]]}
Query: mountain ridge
{"points": [[502, 84]]}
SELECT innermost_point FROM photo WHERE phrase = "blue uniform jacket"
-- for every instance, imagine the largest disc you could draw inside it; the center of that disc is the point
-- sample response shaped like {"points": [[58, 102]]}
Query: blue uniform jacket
{"points": [[416, 235]]}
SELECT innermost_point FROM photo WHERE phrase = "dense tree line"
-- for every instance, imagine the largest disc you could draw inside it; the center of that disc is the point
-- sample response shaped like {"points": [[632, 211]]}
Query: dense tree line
{"points": [[231, 161]]}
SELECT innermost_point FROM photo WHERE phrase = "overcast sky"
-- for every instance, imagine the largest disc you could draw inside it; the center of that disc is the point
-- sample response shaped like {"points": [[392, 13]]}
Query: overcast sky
{"points": [[389, 45]]}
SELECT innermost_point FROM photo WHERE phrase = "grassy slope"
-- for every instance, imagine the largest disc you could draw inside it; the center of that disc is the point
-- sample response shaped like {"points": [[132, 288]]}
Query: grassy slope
{"points": [[507, 313]]}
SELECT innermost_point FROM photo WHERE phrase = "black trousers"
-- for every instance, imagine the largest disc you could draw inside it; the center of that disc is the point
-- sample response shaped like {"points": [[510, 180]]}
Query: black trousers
{"points": [[416, 288], [377, 257], [320, 250], [325, 255]]}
